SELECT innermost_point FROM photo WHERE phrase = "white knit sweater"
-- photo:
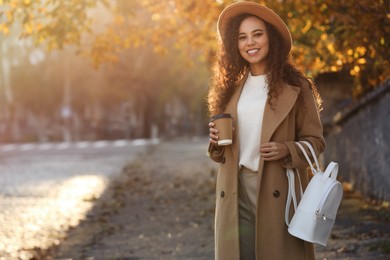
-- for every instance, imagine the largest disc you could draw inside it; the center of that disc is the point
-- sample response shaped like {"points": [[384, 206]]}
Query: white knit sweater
{"points": [[250, 110]]}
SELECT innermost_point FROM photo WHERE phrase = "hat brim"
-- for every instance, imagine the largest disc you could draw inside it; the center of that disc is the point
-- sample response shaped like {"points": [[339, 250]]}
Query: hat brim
{"points": [[260, 11]]}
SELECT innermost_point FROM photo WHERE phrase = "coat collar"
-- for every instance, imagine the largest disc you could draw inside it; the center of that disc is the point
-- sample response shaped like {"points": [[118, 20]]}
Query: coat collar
{"points": [[272, 116]]}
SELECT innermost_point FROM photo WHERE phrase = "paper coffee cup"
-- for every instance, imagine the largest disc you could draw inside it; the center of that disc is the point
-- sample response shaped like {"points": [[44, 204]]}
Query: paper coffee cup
{"points": [[224, 124]]}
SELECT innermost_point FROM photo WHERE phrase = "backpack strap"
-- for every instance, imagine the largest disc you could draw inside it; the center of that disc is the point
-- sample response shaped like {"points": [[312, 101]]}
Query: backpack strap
{"points": [[313, 154], [291, 196]]}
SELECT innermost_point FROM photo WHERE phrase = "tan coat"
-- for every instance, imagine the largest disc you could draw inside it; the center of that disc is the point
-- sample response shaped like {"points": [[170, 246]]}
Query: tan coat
{"points": [[289, 121]]}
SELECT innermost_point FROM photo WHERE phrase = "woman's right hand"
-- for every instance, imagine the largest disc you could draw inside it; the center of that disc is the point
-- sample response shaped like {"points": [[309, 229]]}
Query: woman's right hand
{"points": [[213, 134]]}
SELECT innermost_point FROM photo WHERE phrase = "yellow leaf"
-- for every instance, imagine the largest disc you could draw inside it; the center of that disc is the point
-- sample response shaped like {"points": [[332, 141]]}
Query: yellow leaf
{"points": [[330, 48], [361, 50], [361, 61], [307, 27]]}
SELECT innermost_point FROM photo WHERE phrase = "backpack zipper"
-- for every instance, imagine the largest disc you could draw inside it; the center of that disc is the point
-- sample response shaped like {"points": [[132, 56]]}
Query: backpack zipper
{"points": [[319, 214]]}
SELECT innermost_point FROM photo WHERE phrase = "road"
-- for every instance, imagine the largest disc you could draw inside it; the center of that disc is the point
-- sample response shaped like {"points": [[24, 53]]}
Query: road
{"points": [[47, 188]]}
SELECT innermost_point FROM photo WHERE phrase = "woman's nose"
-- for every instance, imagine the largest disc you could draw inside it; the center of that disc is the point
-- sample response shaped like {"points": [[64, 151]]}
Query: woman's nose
{"points": [[250, 40]]}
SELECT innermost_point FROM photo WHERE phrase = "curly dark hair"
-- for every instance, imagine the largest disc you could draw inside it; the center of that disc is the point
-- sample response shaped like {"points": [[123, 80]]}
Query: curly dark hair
{"points": [[230, 68]]}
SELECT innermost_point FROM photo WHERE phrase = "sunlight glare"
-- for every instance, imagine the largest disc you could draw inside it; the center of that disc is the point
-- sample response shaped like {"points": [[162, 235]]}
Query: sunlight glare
{"points": [[40, 222]]}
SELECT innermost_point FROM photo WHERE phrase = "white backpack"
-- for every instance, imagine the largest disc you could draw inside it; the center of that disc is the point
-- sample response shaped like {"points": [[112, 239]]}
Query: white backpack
{"points": [[315, 214]]}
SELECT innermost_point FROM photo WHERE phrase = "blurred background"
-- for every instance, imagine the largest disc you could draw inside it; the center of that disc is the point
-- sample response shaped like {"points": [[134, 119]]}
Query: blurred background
{"points": [[118, 69], [88, 74]]}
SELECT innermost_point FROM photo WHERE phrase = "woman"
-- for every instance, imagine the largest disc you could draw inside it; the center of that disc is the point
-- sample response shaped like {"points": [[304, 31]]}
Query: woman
{"points": [[273, 105]]}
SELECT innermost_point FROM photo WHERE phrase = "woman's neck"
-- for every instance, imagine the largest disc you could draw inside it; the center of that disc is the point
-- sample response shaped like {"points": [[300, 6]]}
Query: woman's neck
{"points": [[257, 69]]}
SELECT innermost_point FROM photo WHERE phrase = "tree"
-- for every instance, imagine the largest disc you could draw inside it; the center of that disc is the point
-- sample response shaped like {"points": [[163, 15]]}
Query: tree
{"points": [[54, 22], [342, 35], [328, 35]]}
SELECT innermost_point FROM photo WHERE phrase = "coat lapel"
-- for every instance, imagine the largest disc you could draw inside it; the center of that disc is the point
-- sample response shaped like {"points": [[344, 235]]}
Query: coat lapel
{"points": [[232, 109], [271, 120], [282, 106]]}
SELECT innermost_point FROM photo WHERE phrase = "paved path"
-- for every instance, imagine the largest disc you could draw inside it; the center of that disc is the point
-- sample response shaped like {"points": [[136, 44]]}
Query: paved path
{"points": [[161, 208], [47, 188]]}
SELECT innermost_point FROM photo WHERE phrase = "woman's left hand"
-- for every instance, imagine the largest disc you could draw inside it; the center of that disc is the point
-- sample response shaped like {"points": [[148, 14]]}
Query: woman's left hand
{"points": [[273, 151]]}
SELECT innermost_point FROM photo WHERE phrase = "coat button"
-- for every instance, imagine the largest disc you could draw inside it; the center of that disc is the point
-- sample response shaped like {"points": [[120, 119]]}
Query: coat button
{"points": [[276, 194], [222, 194], [223, 160]]}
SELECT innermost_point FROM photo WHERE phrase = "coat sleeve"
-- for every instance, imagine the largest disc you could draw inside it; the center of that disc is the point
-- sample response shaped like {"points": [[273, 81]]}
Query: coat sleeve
{"points": [[216, 152], [308, 128]]}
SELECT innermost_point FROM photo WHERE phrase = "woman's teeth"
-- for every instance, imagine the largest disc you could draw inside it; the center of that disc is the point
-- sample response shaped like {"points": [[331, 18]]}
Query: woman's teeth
{"points": [[250, 52]]}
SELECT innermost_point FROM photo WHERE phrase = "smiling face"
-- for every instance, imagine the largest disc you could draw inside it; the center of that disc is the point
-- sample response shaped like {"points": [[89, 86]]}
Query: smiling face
{"points": [[253, 44]]}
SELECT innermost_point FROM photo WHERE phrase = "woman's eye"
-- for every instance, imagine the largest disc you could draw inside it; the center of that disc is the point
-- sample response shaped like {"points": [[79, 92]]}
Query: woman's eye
{"points": [[258, 35]]}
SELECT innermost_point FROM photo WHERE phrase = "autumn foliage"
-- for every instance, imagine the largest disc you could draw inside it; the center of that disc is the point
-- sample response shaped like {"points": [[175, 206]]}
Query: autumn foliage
{"points": [[328, 35]]}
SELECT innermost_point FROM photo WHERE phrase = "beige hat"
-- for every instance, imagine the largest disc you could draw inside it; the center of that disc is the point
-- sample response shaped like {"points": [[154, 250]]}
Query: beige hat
{"points": [[258, 10]]}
